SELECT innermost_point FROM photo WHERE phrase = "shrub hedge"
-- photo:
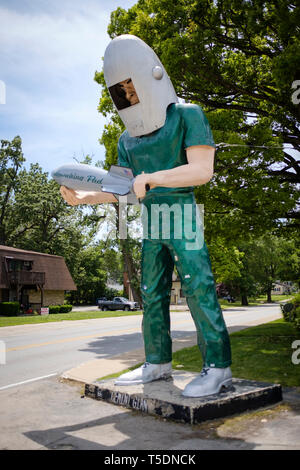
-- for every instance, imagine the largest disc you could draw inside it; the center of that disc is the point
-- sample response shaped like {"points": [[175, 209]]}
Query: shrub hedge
{"points": [[66, 308], [9, 308], [291, 311], [60, 308], [13, 308]]}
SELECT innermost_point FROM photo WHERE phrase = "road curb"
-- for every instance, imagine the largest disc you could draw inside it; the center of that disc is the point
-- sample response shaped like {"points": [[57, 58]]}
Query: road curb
{"points": [[90, 371]]}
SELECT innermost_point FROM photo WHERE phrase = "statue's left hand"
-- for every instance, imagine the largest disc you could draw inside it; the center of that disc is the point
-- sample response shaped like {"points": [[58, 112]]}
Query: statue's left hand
{"points": [[139, 185]]}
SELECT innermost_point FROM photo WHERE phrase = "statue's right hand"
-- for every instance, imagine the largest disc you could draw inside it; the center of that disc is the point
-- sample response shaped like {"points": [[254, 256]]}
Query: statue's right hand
{"points": [[86, 197], [70, 196]]}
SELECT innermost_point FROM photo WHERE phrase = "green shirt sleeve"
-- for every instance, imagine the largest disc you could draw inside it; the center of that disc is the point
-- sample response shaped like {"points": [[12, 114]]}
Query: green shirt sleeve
{"points": [[122, 156], [196, 125]]}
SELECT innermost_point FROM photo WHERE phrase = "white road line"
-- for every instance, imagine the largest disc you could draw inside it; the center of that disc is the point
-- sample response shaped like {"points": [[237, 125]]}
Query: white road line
{"points": [[27, 381]]}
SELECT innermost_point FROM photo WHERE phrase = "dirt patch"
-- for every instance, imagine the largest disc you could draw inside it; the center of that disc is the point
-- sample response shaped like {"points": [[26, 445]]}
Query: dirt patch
{"points": [[239, 426], [248, 423]]}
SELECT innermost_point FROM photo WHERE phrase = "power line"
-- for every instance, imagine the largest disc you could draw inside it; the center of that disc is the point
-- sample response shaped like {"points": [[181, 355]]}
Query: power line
{"points": [[225, 144]]}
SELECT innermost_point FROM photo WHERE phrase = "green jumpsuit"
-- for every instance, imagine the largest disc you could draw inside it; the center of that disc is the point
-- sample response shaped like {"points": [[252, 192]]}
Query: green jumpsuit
{"points": [[180, 241]]}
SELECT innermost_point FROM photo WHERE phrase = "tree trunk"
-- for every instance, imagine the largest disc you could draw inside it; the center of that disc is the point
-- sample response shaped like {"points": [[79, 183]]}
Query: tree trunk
{"points": [[269, 298], [244, 299], [129, 264], [131, 271]]}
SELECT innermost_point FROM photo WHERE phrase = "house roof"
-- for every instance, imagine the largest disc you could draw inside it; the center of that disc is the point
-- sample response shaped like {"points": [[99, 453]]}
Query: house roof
{"points": [[57, 275]]}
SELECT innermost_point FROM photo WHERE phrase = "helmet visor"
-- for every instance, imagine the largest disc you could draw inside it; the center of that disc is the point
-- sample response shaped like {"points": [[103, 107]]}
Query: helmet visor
{"points": [[123, 94]]}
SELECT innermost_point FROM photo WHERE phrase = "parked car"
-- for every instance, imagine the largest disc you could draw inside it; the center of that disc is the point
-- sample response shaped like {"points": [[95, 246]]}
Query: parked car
{"points": [[99, 299], [118, 303], [229, 298]]}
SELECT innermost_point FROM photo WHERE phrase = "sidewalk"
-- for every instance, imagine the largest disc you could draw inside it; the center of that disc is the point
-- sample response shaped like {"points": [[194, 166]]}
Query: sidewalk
{"points": [[275, 427], [92, 370], [97, 368], [92, 308]]}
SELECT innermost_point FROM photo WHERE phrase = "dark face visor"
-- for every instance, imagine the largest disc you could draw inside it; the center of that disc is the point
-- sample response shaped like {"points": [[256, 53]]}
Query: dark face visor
{"points": [[123, 94]]}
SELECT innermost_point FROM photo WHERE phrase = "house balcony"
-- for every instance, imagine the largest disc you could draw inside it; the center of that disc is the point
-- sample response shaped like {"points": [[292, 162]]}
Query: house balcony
{"points": [[26, 277]]}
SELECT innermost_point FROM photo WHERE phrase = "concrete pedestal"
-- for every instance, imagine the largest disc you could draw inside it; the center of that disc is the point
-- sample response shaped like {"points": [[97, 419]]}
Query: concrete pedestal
{"points": [[163, 398]]}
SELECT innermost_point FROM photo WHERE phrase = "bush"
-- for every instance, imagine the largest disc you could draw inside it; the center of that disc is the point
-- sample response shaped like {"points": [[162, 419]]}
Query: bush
{"points": [[60, 308], [286, 310], [291, 311], [296, 317], [9, 308], [296, 300], [66, 308], [297, 323], [54, 308]]}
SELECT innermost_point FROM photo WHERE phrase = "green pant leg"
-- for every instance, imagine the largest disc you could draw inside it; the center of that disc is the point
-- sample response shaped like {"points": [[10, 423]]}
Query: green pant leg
{"points": [[156, 283], [198, 286]]}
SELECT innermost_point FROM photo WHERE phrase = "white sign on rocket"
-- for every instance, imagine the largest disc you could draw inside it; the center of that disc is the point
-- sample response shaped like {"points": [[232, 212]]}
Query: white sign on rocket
{"points": [[118, 180]]}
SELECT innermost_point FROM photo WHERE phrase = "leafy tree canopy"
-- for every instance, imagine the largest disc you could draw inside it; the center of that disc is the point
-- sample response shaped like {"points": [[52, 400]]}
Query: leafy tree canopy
{"points": [[239, 60]]}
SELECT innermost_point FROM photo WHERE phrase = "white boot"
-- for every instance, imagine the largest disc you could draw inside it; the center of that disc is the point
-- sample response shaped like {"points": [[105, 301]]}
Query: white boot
{"points": [[146, 373], [209, 382]]}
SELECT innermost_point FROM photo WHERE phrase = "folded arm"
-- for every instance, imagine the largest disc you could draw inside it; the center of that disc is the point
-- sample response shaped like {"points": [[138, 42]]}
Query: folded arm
{"points": [[198, 170]]}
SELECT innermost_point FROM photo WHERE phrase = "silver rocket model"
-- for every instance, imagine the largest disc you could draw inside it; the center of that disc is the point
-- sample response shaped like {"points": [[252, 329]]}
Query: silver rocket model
{"points": [[118, 180]]}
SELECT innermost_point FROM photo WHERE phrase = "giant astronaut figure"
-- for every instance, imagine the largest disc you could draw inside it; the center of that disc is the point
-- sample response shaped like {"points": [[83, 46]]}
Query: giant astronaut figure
{"points": [[170, 148]]}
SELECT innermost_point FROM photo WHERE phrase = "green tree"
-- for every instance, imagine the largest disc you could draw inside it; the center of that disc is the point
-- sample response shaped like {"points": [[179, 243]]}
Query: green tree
{"points": [[90, 276], [245, 284], [11, 161], [129, 247], [238, 59], [111, 260], [40, 220], [226, 54], [33, 214], [262, 262], [271, 258], [231, 270], [226, 260]]}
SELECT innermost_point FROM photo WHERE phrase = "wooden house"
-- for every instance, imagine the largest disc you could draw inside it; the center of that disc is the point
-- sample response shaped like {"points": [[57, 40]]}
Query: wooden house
{"points": [[34, 279]]}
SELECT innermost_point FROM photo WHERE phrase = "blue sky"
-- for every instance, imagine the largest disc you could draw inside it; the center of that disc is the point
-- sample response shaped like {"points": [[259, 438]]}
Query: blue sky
{"points": [[49, 52]]}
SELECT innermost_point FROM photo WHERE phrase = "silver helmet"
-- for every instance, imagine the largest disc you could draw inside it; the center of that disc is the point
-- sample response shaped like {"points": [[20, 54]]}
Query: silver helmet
{"points": [[138, 84]]}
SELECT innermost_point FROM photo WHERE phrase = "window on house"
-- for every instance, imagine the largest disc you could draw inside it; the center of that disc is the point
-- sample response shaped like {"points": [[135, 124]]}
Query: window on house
{"points": [[27, 265], [16, 265]]}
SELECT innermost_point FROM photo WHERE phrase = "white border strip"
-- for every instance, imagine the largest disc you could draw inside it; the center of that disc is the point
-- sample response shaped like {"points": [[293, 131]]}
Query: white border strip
{"points": [[27, 381]]}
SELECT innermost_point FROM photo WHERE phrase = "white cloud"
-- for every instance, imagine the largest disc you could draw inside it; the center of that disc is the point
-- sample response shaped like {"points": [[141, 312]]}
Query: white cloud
{"points": [[49, 53], [52, 43]]}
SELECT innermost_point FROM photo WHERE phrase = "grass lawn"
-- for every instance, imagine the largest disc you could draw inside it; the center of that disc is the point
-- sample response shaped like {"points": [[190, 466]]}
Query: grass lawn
{"points": [[276, 298], [260, 353], [24, 320], [262, 299]]}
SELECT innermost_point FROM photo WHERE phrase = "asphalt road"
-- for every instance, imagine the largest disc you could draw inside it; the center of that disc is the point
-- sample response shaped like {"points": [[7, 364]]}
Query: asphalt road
{"points": [[51, 414], [41, 351]]}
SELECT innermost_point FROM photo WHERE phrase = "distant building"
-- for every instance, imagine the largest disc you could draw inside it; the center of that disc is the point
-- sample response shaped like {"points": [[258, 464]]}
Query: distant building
{"points": [[284, 287], [34, 279], [177, 297]]}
